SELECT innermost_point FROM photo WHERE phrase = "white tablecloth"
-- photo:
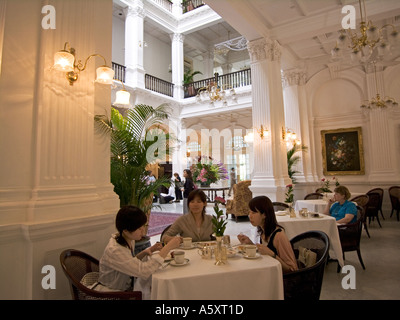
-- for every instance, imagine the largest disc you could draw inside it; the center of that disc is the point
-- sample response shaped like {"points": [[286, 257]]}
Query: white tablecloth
{"points": [[201, 279], [315, 205], [327, 224]]}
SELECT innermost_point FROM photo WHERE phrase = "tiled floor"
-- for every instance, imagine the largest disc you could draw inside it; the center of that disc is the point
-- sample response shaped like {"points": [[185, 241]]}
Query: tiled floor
{"points": [[380, 253]]}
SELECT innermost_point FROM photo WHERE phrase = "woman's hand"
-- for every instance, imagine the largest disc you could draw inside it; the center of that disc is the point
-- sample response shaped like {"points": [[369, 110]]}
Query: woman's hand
{"points": [[156, 247], [244, 239], [264, 250]]}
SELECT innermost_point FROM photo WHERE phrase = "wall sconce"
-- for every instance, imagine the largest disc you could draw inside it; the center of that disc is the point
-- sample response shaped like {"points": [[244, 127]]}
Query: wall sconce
{"points": [[144, 44], [65, 61], [122, 97], [188, 153], [290, 137], [263, 132]]}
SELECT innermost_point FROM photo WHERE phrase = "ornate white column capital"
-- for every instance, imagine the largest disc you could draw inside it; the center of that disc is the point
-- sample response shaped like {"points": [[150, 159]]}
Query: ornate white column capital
{"points": [[256, 50], [293, 77], [177, 37], [136, 11], [274, 51]]}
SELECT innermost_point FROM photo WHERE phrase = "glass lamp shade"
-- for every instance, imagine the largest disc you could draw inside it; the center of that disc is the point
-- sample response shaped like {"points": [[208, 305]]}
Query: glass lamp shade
{"points": [[249, 137], [122, 98], [105, 75], [372, 33], [64, 61]]}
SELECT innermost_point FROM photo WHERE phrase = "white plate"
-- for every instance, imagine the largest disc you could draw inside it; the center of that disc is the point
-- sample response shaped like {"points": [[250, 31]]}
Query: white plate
{"points": [[281, 213], [231, 253], [188, 248], [247, 257], [174, 264]]}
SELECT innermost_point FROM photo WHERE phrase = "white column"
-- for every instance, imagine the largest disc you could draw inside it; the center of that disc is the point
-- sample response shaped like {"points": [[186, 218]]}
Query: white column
{"points": [[270, 165], [177, 7], [381, 140], [134, 44], [208, 63], [177, 64], [296, 117]]}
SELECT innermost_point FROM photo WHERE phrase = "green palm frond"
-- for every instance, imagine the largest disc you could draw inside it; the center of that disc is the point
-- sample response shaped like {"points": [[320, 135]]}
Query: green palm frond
{"points": [[131, 144], [292, 160]]}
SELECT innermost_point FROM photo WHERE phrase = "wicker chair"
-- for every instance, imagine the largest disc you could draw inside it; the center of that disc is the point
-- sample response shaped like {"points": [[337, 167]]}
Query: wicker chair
{"points": [[362, 201], [394, 193], [306, 283], [380, 192], [76, 264], [280, 206], [314, 195], [350, 236], [165, 230], [239, 205]]}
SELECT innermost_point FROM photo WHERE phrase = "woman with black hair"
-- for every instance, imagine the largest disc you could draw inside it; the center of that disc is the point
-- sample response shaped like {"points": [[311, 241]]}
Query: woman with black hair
{"points": [[196, 224], [120, 269], [274, 241]]}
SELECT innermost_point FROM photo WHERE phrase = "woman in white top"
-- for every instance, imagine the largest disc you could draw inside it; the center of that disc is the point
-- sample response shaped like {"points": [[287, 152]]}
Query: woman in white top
{"points": [[196, 224], [119, 268]]}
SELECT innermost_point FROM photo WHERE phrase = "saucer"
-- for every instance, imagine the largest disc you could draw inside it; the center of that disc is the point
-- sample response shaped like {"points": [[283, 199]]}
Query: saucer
{"points": [[247, 257], [174, 264], [231, 253], [193, 246], [281, 213]]}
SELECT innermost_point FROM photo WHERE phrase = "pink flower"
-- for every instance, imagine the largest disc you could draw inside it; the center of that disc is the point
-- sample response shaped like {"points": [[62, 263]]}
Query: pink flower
{"points": [[323, 179], [289, 186], [219, 199]]}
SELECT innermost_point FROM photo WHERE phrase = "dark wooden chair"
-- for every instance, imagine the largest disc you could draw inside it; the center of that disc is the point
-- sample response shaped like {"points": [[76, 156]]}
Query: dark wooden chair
{"points": [[394, 193], [314, 195], [362, 201], [350, 236], [165, 230], [280, 206], [372, 208], [76, 264], [380, 191], [306, 283]]}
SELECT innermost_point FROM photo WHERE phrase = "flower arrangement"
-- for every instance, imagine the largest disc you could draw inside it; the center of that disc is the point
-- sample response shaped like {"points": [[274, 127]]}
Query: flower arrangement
{"points": [[219, 222], [206, 171], [289, 193], [326, 183]]}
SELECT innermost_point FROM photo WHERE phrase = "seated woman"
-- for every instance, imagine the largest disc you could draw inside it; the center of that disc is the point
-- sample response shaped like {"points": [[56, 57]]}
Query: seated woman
{"points": [[274, 241], [340, 208], [120, 270], [196, 224]]}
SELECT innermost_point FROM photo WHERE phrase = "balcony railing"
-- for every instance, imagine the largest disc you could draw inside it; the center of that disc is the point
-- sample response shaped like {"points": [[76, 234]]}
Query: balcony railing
{"points": [[158, 85], [189, 5], [235, 79], [119, 71], [166, 4]]}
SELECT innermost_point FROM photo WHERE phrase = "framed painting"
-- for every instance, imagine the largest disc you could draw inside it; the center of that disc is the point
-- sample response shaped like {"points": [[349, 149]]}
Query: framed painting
{"points": [[342, 152]]}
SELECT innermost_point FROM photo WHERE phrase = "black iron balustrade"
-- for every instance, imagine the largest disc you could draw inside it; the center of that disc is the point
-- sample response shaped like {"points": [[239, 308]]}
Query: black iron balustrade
{"points": [[158, 85], [119, 71], [231, 80]]}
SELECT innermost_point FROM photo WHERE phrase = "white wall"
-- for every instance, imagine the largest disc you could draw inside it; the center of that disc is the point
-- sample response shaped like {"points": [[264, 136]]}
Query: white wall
{"points": [[55, 190]]}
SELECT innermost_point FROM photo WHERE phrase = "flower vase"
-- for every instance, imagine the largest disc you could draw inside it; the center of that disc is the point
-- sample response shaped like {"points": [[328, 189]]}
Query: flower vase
{"points": [[292, 213], [220, 252]]}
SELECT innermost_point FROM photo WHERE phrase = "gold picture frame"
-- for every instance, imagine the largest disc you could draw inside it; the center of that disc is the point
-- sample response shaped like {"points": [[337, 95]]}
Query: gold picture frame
{"points": [[342, 152]]}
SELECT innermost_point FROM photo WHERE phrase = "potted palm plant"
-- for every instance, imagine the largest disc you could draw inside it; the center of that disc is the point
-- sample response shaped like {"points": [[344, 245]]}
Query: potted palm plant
{"points": [[188, 77], [293, 159], [132, 149]]}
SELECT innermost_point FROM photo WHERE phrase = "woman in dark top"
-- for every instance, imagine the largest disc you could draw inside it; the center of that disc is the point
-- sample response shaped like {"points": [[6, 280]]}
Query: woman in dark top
{"points": [[187, 188], [178, 185], [274, 241]]}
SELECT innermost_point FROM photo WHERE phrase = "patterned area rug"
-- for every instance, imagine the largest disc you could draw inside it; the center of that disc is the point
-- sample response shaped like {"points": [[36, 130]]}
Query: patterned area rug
{"points": [[159, 221]]}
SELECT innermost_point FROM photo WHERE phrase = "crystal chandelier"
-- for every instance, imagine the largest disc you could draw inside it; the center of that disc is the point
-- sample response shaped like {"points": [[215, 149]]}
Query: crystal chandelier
{"points": [[215, 93], [371, 43], [237, 44], [378, 102]]}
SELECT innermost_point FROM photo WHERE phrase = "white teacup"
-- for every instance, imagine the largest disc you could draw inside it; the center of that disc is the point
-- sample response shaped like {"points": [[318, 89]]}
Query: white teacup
{"points": [[251, 250], [187, 242], [179, 257]]}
